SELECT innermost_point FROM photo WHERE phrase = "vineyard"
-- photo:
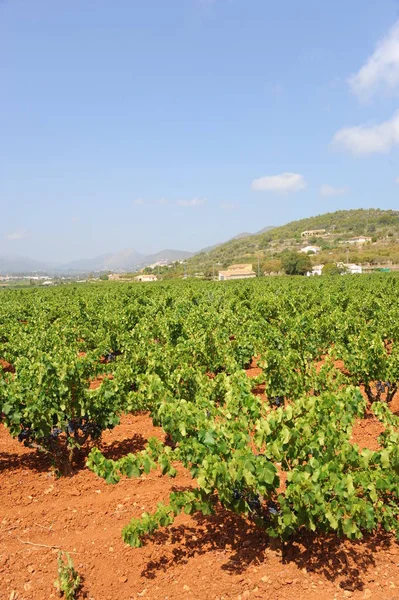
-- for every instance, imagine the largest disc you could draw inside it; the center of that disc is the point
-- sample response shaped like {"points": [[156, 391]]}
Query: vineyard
{"points": [[252, 394]]}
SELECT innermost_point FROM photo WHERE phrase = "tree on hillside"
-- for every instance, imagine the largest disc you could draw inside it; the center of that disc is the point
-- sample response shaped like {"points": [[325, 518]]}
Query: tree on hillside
{"points": [[295, 263], [271, 266], [332, 269]]}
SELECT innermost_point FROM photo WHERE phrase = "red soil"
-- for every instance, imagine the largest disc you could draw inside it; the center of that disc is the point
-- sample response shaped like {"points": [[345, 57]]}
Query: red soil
{"points": [[218, 557], [6, 366], [95, 383], [365, 432]]}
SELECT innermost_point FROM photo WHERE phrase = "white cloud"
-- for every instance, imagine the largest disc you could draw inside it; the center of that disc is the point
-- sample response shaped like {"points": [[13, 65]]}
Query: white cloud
{"points": [[138, 201], [161, 202], [381, 69], [229, 205], [19, 234], [329, 190], [364, 139], [191, 203], [286, 182], [397, 180], [75, 219]]}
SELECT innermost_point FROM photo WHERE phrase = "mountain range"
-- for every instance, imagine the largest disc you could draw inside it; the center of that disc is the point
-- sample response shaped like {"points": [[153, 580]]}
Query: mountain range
{"points": [[124, 260]]}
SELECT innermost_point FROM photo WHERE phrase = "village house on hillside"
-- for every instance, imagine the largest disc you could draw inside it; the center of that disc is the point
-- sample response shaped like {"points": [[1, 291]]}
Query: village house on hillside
{"points": [[349, 268], [316, 270], [361, 239], [243, 271], [313, 233], [118, 277], [146, 277], [310, 249]]}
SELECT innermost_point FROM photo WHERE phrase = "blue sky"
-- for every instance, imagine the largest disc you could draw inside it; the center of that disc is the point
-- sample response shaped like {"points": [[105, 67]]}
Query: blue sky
{"points": [[180, 123]]}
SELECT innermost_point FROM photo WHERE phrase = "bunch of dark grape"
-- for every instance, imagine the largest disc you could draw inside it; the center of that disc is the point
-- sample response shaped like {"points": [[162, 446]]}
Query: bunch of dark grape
{"points": [[277, 401], [84, 426], [25, 435], [380, 387], [272, 508]]}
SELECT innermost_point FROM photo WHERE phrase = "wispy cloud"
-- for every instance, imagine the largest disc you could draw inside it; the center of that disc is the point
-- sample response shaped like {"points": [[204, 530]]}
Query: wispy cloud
{"points": [[381, 71], [229, 205], [285, 182], [397, 180], [369, 139], [191, 203], [330, 190], [138, 201], [18, 234], [75, 219]]}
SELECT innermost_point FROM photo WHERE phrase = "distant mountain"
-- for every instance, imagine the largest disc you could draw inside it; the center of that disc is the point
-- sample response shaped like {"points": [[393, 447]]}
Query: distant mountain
{"points": [[169, 255], [125, 260], [269, 228], [19, 264], [382, 225], [267, 243], [239, 236]]}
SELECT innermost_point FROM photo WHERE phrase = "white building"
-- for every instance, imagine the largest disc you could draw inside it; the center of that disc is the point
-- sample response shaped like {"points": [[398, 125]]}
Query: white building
{"points": [[146, 277], [362, 239], [352, 269], [313, 233], [237, 272], [310, 250], [316, 270]]}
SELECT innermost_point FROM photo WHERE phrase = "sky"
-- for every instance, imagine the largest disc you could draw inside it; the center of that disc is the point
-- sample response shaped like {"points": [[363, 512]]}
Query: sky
{"points": [[153, 124]]}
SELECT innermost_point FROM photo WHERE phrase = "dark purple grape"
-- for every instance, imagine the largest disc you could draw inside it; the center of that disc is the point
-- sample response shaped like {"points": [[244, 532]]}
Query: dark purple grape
{"points": [[236, 495], [278, 401], [273, 509], [55, 433], [254, 503]]}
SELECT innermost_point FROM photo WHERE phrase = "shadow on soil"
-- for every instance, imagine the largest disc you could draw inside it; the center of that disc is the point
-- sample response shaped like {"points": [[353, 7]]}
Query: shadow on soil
{"points": [[119, 449], [34, 461], [41, 462], [246, 545]]}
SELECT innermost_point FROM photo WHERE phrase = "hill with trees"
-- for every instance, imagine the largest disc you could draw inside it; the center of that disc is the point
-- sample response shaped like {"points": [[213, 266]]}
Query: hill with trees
{"points": [[336, 243]]}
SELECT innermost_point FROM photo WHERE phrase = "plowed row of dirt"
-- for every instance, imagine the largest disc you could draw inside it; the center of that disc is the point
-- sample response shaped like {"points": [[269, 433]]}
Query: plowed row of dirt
{"points": [[218, 557], [206, 558]]}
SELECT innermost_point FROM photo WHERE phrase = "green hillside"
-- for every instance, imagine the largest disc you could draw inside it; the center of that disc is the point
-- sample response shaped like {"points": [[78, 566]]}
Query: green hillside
{"points": [[382, 226]]}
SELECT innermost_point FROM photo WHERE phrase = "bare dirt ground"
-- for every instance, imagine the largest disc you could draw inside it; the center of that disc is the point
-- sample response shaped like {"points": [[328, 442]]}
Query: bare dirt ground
{"points": [[212, 558]]}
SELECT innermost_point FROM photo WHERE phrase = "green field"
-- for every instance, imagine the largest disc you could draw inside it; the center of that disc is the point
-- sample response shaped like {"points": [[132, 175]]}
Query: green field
{"points": [[75, 358]]}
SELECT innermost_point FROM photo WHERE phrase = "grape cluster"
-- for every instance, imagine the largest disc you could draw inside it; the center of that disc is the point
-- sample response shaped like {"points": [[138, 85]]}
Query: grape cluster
{"points": [[110, 357], [273, 509], [263, 512], [381, 385], [236, 495], [277, 401], [254, 503], [81, 429], [55, 433], [25, 435], [84, 426]]}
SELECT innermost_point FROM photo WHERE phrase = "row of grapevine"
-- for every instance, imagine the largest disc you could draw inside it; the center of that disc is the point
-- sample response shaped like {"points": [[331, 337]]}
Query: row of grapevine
{"points": [[80, 357]]}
